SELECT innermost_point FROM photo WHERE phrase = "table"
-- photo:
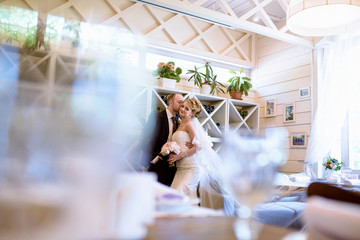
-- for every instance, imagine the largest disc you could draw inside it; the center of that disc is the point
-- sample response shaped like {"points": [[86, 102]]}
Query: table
{"points": [[205, 228]]}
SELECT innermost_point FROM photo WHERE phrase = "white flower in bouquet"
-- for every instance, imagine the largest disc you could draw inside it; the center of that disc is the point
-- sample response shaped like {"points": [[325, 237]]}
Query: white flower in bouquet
{"points": [[170, 147]]}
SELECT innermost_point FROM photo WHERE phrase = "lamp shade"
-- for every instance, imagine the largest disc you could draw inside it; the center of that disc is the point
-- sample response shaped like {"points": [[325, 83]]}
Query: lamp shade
{"points": [[323, 17]]}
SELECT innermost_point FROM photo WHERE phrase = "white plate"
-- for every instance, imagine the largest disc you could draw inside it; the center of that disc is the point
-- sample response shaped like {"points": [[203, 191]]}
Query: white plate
{"points": [[175, 203]]}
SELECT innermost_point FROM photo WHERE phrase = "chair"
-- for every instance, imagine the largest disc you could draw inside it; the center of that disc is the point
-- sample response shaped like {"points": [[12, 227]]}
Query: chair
{"points": [[350, 195]]}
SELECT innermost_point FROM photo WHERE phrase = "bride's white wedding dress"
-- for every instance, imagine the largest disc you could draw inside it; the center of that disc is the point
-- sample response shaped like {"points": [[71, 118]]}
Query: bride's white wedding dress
{"points": [[201, 172], [187, 175]]}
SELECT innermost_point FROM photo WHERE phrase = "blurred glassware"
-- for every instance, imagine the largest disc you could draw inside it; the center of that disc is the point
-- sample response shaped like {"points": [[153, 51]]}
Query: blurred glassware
{"points": [[134, 205], [65, 127], [346, 172], [250, 164]]}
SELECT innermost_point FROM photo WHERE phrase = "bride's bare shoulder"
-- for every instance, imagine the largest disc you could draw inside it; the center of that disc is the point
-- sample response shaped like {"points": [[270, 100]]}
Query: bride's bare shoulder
{"points": [[190, 127]]}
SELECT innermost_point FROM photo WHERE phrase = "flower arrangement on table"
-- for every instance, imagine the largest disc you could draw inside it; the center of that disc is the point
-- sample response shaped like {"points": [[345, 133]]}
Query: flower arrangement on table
{"points": [[168, 70], [170, 147], [332, 164]]}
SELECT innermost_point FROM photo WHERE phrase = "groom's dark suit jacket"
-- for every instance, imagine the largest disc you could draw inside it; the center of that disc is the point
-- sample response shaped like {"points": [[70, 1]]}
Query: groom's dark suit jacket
{"points": [[153, 137]]}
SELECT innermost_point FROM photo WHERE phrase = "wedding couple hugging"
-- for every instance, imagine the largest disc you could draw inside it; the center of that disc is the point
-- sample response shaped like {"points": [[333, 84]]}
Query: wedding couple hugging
{"points": [[187, 132]]}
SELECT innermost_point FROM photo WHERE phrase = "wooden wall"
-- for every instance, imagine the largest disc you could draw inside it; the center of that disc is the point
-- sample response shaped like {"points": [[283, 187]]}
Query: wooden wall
{"points": [[282, 69]]}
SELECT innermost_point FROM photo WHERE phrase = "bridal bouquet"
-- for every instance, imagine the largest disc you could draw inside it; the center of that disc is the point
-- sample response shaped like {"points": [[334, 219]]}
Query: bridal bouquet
{"points": [[170, 147]]}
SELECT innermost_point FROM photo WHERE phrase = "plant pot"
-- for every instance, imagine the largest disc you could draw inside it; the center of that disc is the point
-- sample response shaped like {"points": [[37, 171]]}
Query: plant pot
{"points": [[205, 89], [166, 82], [236, 95]]}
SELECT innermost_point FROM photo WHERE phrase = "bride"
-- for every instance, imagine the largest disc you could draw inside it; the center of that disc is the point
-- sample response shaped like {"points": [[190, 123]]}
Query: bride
{"points": [[187, 175], [200, 164]]}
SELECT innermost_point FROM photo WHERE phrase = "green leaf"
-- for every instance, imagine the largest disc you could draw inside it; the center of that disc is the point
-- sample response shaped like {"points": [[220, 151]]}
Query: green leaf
{"points": [[178, 71]]}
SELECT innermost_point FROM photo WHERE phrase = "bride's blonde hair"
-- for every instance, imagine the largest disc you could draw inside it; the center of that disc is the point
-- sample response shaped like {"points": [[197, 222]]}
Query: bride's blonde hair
{"points": [[195, 106]]}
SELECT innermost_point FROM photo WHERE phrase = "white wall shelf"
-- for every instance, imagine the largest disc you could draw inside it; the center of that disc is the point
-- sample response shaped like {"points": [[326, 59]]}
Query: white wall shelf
{"points": [[248, 122], [223, 116]]}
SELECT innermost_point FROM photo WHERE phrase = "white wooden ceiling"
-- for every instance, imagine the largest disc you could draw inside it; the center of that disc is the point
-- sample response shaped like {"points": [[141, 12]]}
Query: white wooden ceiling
{"points": [[174, 29], [161, 28], [265, 17], [241, 7]]}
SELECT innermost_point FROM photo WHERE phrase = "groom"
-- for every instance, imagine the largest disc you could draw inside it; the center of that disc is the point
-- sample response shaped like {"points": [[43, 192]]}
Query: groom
{"points": [[157, 131]]}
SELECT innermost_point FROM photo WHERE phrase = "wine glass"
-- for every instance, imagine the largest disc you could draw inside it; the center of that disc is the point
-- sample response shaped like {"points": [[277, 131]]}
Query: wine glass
{"points": [[250, 164]]}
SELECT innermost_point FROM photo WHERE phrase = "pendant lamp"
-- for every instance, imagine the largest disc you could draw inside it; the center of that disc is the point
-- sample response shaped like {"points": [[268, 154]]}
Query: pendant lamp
{"points": [[323, 17]]}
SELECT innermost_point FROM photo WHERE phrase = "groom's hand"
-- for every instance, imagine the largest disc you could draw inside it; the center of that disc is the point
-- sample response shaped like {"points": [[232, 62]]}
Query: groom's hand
{"points": [[189, 145], [171, 158]]}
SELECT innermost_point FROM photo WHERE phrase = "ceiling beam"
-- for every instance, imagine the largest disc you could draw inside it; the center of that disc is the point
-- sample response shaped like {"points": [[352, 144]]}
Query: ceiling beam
{"points": [[202, 13]]}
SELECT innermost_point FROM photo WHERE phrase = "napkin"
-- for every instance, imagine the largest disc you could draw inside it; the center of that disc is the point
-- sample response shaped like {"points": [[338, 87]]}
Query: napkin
{"points": [[281, 179], [173, 203], [167, 194], [299, 177], [330, 219]]}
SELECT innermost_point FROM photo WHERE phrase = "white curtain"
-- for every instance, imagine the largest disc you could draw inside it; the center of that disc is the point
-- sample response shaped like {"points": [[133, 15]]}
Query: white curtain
{"points": [[338, 81]]}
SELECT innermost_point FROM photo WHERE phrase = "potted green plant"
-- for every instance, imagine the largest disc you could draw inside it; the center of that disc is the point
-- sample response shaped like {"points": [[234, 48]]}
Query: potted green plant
{"points": [[167, 73], [239, 85], [207, 79]]}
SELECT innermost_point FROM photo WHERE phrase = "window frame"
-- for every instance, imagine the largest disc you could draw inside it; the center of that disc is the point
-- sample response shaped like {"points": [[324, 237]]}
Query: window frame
{"points": [[345, 144]]}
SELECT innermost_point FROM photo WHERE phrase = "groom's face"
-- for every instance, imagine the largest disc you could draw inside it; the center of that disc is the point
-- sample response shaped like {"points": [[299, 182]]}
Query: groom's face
{"points": [[177, 102]]}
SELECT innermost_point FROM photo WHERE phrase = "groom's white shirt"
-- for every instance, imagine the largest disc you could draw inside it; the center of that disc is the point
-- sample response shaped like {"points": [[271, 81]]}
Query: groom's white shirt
{"points": [[170, 115]]}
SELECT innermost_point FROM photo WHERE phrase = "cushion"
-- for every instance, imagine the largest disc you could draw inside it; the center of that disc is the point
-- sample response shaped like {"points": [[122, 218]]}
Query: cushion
{"points": [[283, 214]]}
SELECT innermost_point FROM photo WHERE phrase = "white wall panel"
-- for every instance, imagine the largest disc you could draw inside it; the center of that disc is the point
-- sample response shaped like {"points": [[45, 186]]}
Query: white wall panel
{"points": [[286, 54], [286, 86], [282, 69], [265, 41], [302, 72], [273, 48], [284, 65], [292, 166], [278, 121]]}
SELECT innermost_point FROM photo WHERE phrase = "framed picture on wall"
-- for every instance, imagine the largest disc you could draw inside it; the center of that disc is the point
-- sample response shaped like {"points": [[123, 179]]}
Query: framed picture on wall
{"points": [[304, 92], [298, 139], [270, 107], [289, 112]]}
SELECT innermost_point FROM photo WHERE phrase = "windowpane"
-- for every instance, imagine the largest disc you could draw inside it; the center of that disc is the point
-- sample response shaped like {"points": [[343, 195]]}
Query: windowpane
{"points": [[354, 138], [336, 149], [152, 61], [17, 25], [223, 74]]}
